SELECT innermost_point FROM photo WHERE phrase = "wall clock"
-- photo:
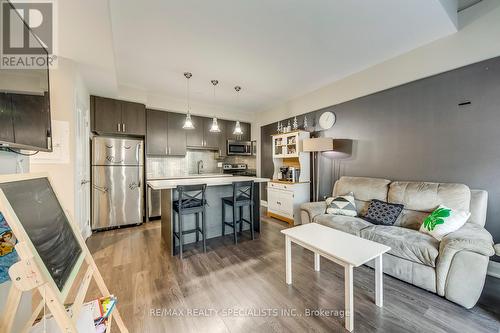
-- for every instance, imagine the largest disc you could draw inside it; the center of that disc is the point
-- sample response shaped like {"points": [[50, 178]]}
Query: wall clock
{"points": [[327, 120]]}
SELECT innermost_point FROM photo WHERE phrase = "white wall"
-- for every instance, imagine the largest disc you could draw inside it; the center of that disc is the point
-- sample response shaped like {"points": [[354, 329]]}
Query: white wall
{"points": [[66, 89], [476, 40]]}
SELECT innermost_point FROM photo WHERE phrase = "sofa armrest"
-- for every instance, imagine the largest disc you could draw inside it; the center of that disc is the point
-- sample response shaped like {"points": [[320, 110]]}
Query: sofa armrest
{"points": [[470, 238], [309, 210]]}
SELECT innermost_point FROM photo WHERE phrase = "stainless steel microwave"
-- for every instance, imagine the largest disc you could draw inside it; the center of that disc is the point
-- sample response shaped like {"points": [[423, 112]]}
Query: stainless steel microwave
{"points": [[235, 147]]}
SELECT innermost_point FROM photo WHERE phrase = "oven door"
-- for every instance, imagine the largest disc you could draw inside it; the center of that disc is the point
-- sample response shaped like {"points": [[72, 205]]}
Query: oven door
{"points": [[239, 147]]}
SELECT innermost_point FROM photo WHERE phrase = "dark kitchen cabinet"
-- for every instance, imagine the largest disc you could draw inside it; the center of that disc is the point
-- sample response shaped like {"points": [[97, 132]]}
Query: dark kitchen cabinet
{"points": [[31, 127], [133, 118], [6, 121], [195, 137], [211, 139], [165, 135], [156, 133], [107, 115], [222, 139], [176, 134], [111, 116]]}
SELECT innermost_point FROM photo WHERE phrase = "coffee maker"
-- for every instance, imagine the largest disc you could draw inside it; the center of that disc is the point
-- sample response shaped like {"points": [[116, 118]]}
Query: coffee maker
{"points": [[289, 174], [283, 174]]}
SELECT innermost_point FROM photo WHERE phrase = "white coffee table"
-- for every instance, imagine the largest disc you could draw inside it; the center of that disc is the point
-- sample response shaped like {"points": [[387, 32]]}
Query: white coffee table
{"points": [[342, 248]]}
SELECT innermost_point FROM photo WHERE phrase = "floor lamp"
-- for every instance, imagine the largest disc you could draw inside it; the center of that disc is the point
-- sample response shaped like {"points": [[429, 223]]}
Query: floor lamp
{"points": [[315, 146], [342, 149]]}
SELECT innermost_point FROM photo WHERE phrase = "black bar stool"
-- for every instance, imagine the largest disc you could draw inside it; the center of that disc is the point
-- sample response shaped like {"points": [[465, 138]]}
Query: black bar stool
{"points": [[189, 203], [242, 197]]}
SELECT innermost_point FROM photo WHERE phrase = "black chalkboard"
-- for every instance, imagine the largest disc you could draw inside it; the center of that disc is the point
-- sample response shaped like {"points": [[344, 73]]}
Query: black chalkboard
{"points": [[43, 218]]}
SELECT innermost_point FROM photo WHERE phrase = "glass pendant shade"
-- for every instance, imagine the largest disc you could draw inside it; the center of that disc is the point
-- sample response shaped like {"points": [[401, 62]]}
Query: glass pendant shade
{"points": [[188, 123], [237, 129], [215, 126]]}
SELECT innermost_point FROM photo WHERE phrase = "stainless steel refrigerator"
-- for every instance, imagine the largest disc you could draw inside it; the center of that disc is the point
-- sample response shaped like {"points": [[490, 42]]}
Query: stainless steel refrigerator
{"points": [[117, 182]]}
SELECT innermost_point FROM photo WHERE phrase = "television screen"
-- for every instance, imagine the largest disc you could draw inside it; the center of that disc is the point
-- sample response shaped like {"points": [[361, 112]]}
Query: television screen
{"points": [[25, 100], [37, 208]]}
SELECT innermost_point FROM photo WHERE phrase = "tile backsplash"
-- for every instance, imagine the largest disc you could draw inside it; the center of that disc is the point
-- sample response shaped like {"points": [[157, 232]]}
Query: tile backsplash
{"points": [[174, 166]]}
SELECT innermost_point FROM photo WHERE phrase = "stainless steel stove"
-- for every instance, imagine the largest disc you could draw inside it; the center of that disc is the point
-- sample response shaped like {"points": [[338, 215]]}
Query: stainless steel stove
{"points": [[239, 169]]}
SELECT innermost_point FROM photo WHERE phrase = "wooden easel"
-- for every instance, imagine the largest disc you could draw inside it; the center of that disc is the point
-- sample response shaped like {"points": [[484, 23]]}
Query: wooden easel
{"points": [[29, 274]]}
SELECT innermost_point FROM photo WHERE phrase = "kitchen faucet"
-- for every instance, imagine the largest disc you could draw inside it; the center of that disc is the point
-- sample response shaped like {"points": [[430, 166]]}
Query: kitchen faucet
{"points": [[200, 166]]}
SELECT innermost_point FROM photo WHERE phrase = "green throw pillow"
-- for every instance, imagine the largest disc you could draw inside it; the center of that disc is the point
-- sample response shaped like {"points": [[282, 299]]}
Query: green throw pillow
{"points": [[443, 221]]}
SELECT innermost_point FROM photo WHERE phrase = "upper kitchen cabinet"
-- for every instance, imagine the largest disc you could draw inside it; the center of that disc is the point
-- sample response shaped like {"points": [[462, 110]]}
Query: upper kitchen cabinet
{"points": [[133, 118], [110, 116], [211, 139], [156, 133], [245, 127], [195, 137], [176, 134], [165, 135]]}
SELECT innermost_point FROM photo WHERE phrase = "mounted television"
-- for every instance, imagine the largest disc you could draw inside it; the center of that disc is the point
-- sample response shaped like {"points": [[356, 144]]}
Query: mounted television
{"points": [[25, 121]]}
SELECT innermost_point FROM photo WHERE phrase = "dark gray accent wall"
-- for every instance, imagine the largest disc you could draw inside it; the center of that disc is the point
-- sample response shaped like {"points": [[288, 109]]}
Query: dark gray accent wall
{"points": [[419, 132]]}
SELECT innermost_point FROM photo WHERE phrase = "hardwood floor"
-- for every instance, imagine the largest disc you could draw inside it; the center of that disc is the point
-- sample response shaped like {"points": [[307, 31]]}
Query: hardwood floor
{"points": [[158, 293]]}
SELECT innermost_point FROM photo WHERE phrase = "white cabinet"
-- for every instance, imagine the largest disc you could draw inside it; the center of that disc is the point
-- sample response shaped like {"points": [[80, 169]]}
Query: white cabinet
{"points": [[284, 200]]}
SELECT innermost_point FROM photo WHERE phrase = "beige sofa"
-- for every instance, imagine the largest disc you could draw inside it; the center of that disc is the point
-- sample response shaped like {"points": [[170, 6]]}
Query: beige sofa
{"points": [[454, 268]]}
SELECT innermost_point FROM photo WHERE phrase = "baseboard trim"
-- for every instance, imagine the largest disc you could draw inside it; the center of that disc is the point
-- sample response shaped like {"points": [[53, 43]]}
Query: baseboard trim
{"points": [[263, 203], [494, 269]]}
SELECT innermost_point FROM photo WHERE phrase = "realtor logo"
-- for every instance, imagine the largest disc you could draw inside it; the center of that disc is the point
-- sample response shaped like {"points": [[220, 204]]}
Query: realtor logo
{"points": [[27, 34]]}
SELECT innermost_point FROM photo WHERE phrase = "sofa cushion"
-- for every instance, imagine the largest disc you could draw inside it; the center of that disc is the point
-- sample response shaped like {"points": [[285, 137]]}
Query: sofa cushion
{"points": [[365, 189], [348, 224], [421, 198], [425, 197], [405, 243]]}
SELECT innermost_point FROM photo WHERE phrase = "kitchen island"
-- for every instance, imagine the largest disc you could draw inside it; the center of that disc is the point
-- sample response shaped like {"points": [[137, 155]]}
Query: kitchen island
{"points": [[217, 188]]}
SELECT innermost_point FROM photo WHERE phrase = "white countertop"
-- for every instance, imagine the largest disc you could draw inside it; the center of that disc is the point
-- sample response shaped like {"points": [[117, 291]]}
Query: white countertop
{"points": [[202, 175], [211, 181]]}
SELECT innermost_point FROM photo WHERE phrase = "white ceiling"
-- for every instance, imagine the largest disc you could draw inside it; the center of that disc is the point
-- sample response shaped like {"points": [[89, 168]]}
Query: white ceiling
{"points": [[274, 49]]}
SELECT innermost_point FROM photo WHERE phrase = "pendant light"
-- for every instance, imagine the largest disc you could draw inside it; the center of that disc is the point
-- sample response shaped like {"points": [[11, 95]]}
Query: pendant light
{"points": [[237, 128], [215, 126], [188, 123]]}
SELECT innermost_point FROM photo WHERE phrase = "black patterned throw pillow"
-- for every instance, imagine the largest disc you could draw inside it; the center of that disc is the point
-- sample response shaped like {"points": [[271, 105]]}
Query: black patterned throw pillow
{"points": [[384, 213]]}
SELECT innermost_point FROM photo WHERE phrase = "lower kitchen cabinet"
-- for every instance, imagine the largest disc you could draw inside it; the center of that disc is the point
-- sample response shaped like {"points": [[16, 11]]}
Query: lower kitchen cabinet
{"points": [[284, 200]]}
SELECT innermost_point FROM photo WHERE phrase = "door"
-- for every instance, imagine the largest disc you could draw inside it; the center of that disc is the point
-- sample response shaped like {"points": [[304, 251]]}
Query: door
{"points": [[133, 118], [194, 137], [116, 152], [29, 115], [107, 115], [117, 196], [6, 124], [83, 171], [157, 133], [211, 139], [177, 135]]}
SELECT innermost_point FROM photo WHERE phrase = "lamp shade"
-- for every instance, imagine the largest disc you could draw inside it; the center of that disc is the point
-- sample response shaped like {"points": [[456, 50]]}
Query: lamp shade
{"points": [[342, 149], [317, 144]]}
